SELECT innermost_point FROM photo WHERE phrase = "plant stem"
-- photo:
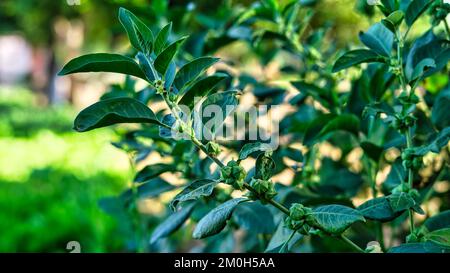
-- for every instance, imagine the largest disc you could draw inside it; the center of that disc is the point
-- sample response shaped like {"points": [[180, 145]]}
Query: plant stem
{"points": [[272, 202], [351, 243], [447, 28]]}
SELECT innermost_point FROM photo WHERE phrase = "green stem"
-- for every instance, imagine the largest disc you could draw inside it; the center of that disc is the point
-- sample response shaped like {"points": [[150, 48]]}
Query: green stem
{"points": [[351, 243], [140, 238], [447, 28]]}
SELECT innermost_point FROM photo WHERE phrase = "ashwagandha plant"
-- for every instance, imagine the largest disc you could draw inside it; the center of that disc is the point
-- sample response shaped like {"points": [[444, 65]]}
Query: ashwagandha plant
{"points": [[211, 198]]}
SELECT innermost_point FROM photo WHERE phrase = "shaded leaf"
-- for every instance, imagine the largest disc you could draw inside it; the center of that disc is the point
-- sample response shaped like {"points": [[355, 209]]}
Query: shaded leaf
{"points": [[439, 221], [172, 223], [378, 38], [401, 201], [193, 191], [190, 71], [201, 88], [152, 171], [140, 36], [164, 58], [377, 209], [216, 219], [415, 9], [254, 217], [161, 38], [250, 148]]}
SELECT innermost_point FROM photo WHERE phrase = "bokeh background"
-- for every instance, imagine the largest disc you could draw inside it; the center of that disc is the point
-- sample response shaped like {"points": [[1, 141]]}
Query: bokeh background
{"points": [[51, 178]]}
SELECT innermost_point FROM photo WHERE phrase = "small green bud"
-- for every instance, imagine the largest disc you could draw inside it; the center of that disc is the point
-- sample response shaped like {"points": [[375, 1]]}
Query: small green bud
{"points": [[233, 175], [297, 212], [213, 148]]}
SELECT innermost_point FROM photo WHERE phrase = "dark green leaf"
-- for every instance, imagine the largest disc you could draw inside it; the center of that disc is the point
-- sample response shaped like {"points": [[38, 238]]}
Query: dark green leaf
{"points": [[440, 237], [415, 9], [439, 221], [152, 171], [147, 67], [425, 247], [401, 201], [422, 67], [440, 116], [335, 219], [379, 39], [201, 88], [161, 38], [190, 71], [254, 217], [112, 111], [279, 238], [264, 166], [103, 62], [250, 148], [193, 191], [435, 146], [164, 58], [141, 37], [172, 223], [356, 57], [216, 219], [371, 150], [344, 122], [150, 189], [378, 209]]}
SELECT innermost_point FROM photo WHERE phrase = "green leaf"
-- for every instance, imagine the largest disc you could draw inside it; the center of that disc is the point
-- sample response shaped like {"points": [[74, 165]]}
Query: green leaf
{"points": [[201, 88], [254, 217], [250, 148], [356, 57], [415, 9], [140, 36], [393, 20], [161, 38], [440, 237], [281, 235], [264, 166], [103, 62], [379, 39], [335, 219], [372, 150], [164, 58], [112, 111], [216, 219], [190, 71], [401, 201], [422, 67], [322, 95], [147, 67], [435, 146], [172, 223], [377, 209], [344, 122], [439, 221], [214, 110], [150, 189], [193, 191], [152, 171], [440, 116], [425, 247]]}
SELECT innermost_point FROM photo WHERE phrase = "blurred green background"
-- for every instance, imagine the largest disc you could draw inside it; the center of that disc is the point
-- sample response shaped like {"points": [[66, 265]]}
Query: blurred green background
{"points": [[52, 178]]}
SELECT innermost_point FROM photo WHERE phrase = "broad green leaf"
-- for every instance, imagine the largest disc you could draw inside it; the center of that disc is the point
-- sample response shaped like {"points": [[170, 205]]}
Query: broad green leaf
{"points": [[377, 209], [151, 188], [335, 219], [435, 145], [193, 191], [201, 88], [216, 219], [152, 171], [379, 39], [356, 57], [213, 111], [425, 247], [161, 38], [254, 217], [415, 9], [190, 71], [264, 166], [250, 148], [440, 237], [172, 223], [428, 46], [103, 62], [440, 116], [401, 201], [141, 37], [422, 67], [147, 67], [320, 94], [393, 20], [279, 238], [164, 58], [439, 221], [112, 111], [344, 122]]}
